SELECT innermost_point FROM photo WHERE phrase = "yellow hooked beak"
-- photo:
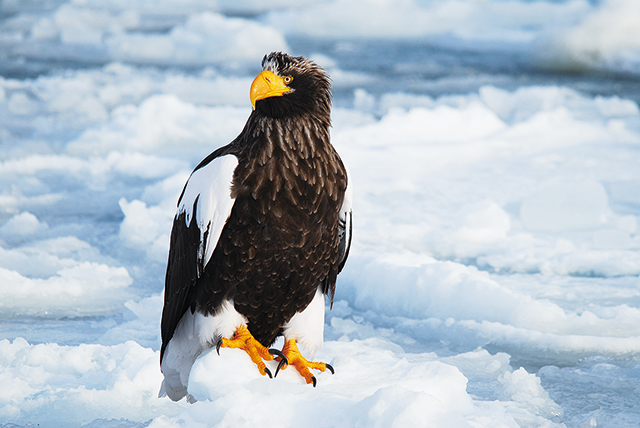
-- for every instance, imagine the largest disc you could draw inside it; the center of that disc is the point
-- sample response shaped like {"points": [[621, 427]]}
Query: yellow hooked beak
{"points": [[267, 84]]}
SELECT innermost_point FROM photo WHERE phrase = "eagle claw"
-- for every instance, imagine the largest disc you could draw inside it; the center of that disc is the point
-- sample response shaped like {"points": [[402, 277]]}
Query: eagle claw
{"points": [[277, 353], [330, 367], [280, 364], [218, 345], [283, 359], [268, 372]]}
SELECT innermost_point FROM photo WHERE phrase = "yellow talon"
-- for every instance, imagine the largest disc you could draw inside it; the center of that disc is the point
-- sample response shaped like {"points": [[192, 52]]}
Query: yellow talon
{"points": [[295, 358], [243, 339]]}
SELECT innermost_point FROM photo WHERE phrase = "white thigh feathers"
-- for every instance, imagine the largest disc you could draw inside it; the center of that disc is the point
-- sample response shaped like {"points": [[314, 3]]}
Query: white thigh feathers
{"points": [[307, 327], [194, 334]]}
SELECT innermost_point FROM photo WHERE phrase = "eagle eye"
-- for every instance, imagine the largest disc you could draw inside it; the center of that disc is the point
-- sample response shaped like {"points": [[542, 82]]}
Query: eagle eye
{"points": [[287, 79]]}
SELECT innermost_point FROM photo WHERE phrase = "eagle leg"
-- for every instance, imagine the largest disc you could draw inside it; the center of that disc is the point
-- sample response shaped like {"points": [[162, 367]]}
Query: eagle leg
{"points": [[295, 358], [243, 339]]}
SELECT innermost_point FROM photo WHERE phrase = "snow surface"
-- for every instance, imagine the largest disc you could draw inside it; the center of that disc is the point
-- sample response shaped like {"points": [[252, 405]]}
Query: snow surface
{"points": [[493, 279]]}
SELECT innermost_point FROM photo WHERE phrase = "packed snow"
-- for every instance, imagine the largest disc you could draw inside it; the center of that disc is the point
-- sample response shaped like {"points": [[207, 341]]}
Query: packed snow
{"points": [[494, 277]]}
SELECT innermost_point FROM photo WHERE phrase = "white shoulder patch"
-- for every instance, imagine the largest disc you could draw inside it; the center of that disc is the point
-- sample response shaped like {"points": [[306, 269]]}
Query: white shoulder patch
{"points": [[211, 187]]}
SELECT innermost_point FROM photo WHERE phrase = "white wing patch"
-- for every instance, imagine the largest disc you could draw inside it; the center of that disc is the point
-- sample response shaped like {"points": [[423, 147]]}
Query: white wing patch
{"points": [[211, 187]]}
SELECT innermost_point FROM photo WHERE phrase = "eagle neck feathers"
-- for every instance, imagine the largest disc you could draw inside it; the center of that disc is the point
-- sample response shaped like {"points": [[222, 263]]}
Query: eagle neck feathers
{"points": [[289, 158]]}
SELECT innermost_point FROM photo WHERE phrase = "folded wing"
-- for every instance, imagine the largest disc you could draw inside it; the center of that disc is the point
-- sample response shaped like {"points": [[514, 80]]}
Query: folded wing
{"points": [[203, 210]]}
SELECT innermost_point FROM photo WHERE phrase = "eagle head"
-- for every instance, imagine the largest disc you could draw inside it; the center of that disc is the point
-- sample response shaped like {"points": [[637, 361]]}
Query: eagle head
{"points": [[290, 86]]}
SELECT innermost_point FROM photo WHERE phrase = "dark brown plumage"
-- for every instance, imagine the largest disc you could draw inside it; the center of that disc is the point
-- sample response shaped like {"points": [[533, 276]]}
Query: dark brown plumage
{"points": [[284, 237]]}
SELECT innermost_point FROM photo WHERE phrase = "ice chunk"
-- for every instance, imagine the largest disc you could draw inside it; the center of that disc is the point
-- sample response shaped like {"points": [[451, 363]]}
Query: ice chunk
{"points": [[23, 224], [146, 228], [92, 381], [466, 19], [205, 38], [485, 223], [525, 390], [607, 38], [83, 289], [162, 124], [565, 205]]}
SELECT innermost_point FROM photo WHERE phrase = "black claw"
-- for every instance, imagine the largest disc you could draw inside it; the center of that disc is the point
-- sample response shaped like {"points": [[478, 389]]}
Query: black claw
{"points": [[283, 359], [268, 372], [282, 362], [277, 353], [330, 367], [218, 345], [313, 379]]}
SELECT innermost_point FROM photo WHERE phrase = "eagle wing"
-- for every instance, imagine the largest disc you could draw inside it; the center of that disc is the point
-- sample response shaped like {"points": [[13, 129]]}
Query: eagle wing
{"points": [[203, 210]]}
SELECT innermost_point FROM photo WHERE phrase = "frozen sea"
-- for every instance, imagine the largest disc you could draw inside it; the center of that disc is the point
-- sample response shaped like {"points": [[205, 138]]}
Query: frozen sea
{"points": [[494, 147]]}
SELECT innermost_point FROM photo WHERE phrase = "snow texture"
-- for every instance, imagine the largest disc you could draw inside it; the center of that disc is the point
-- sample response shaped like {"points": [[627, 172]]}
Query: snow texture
{"points": [[493, 278]]}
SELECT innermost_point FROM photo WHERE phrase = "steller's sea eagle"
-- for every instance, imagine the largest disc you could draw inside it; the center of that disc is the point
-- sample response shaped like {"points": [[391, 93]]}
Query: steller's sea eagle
{"points": [[263, 228]]}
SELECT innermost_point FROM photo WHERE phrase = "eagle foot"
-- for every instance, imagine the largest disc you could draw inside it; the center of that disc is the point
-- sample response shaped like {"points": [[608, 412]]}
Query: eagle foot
{"points": [[243, 339], [292, 356]]}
